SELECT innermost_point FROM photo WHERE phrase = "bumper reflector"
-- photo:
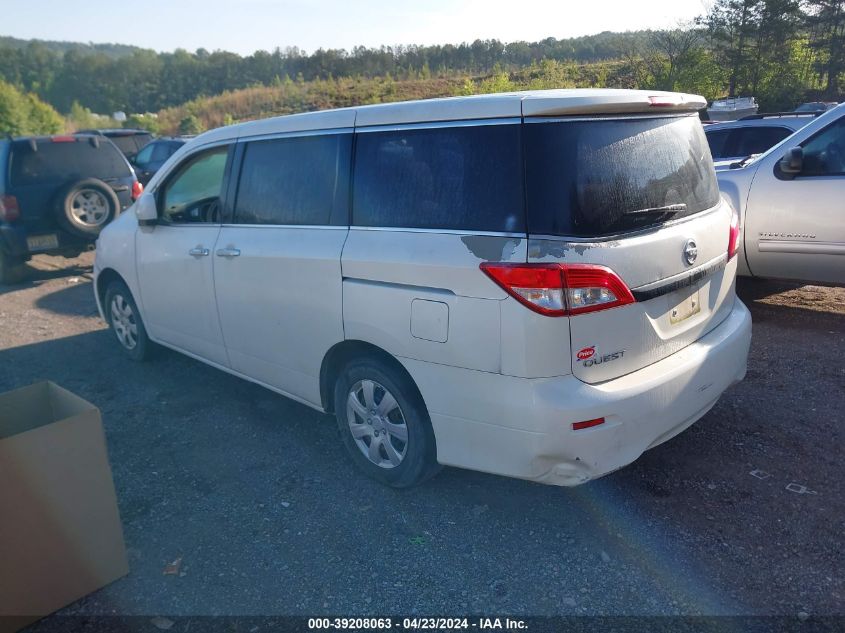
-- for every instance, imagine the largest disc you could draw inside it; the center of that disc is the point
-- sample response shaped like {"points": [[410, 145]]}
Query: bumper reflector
{"points": [[586, 424]]}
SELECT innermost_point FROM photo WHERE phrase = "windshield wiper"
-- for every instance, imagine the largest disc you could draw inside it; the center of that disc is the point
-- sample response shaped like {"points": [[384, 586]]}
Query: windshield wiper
{"points": [[669, 208], [742, 163]]}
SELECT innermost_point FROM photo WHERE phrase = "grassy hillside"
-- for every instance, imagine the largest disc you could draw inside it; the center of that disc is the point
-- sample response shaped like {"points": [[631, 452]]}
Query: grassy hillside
{"points": [[287, 97]]}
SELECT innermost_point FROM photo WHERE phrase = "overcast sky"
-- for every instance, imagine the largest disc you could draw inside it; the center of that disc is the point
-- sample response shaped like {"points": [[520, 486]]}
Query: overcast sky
{"points": [[243, 26]]}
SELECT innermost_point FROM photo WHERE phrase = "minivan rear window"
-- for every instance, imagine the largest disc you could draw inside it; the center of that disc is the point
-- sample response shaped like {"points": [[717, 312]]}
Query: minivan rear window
{"points": [[57, 161], [454, 178], [601, 177]]}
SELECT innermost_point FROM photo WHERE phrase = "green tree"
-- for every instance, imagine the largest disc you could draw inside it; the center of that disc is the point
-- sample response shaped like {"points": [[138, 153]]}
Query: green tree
{"points": [[826, 19], [26, 114], [732, 25], [43, 119], [13, 119], [147, 122], [190, 125]]}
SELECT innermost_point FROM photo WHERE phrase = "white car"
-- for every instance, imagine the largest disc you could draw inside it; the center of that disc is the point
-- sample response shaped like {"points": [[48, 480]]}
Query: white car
{"points": [[538, 284], [792, 201]]}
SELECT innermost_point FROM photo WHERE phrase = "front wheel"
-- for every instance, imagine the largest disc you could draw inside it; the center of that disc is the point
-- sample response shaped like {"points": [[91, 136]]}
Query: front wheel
{"points": [[125, 321], [384, 424]]}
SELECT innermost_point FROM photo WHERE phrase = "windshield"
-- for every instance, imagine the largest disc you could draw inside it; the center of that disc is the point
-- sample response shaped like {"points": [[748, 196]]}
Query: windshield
{"points": [[595, 177]]}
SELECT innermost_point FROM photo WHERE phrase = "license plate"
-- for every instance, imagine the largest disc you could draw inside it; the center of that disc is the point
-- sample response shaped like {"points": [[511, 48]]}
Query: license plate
{"points": [[685, 309], [42, 242]]}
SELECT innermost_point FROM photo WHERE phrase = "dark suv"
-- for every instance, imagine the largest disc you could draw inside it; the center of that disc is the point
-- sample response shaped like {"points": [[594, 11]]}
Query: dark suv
{"points": [[150, 159], [128, 141], [57, 193]]}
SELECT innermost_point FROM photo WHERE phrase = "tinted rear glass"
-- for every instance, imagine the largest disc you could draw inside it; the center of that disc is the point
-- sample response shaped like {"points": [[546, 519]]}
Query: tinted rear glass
{"points": [[718, 141], [756, 140], [458, 178], [65, 160], [301, 180], [4, 163], [589, 178], [126, 144]]}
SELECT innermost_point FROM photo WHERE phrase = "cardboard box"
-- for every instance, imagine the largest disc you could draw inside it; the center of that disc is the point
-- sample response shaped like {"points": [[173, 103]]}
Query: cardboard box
{"points": [[60, 531]]}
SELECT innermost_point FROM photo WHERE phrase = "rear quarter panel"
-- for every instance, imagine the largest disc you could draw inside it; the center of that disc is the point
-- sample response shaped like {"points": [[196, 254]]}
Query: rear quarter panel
{"points": [[421, 295]]}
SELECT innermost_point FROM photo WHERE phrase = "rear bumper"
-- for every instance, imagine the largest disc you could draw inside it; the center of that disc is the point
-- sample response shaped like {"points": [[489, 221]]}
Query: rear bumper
{"points": [[13, 241], [523, 427]]}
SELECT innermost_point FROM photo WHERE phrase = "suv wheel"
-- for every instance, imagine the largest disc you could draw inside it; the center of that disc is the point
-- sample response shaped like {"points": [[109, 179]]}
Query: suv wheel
{"points": [[86, 206], [384, 424], [125, 321]]}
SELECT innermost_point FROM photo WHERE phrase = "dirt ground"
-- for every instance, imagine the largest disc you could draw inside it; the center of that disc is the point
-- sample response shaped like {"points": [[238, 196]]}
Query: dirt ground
{"points": [[744, 513]]}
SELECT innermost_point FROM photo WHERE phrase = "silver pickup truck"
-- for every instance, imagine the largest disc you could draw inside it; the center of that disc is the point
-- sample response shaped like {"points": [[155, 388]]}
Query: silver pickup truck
{"points": [[792, 203]]}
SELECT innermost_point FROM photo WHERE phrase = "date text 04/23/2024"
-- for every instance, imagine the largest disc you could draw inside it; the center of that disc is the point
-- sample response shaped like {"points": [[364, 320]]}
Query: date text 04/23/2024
{"points": [[418, 623]]}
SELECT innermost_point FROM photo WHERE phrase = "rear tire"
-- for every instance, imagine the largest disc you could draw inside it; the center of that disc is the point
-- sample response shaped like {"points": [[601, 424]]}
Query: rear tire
{"points": [[85, 207], [384, 423], [11, 271], [125, 321]]}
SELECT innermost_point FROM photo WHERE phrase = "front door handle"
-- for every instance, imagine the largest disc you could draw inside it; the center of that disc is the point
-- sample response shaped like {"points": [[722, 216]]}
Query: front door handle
{"points": [[228, 252], [198, 251]]}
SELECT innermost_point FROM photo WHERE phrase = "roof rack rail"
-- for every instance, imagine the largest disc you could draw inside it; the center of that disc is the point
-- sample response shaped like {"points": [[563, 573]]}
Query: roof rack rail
{"points": [[765, 115]]}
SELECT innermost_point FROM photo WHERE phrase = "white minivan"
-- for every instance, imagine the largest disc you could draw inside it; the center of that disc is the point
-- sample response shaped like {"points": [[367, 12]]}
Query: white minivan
{"points": [[535, 284]]}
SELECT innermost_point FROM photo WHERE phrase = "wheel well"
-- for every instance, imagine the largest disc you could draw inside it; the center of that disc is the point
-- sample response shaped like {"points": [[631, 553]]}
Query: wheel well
{"points": [[105, 278], [341, 354]]}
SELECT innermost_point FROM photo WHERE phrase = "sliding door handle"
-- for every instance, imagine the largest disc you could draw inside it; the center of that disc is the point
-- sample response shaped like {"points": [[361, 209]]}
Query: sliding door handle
{"points": [[228, 252]]}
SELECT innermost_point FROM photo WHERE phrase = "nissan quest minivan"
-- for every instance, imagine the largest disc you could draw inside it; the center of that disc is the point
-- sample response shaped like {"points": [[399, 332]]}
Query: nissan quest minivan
{"points": [[536, 284]]}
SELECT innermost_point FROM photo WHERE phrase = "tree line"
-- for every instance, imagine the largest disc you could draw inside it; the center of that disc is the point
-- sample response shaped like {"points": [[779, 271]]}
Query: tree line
{"points": [[781, 51], [146, 81]]}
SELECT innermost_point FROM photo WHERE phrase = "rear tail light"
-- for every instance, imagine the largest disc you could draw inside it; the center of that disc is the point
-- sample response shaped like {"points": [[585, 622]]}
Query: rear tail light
{"points": [[137, 190], [9, 210], [735, 234], [561, 289]]}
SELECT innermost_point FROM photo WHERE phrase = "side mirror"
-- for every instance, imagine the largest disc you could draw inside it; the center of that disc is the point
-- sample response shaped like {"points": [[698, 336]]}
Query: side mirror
{"points": [[145, 209], [792, 163]]}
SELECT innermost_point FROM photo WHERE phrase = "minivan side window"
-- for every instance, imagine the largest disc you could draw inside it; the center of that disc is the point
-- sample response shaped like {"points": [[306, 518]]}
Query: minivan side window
{"points": [[824, 154], [301, 180], [193, 193], [453, 178]]}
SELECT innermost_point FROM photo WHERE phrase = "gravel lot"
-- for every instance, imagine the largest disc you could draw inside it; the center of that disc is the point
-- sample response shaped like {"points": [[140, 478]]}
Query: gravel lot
{"points": [[256, 496]]}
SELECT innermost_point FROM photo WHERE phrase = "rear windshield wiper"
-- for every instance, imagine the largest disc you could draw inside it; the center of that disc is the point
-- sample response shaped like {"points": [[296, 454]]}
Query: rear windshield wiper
{"points": [[669, 208]]}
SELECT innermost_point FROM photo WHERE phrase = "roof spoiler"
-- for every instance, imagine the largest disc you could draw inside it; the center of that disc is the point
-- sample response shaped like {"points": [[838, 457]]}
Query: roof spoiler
{"points": [[622, 102]]}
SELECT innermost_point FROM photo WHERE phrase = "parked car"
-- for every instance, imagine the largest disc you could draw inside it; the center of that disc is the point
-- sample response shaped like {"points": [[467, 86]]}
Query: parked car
{"points": [[816, 106], [57, 193], [128, 141], [539, 284], [150, 159], [735, 141], [792, 200]]}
